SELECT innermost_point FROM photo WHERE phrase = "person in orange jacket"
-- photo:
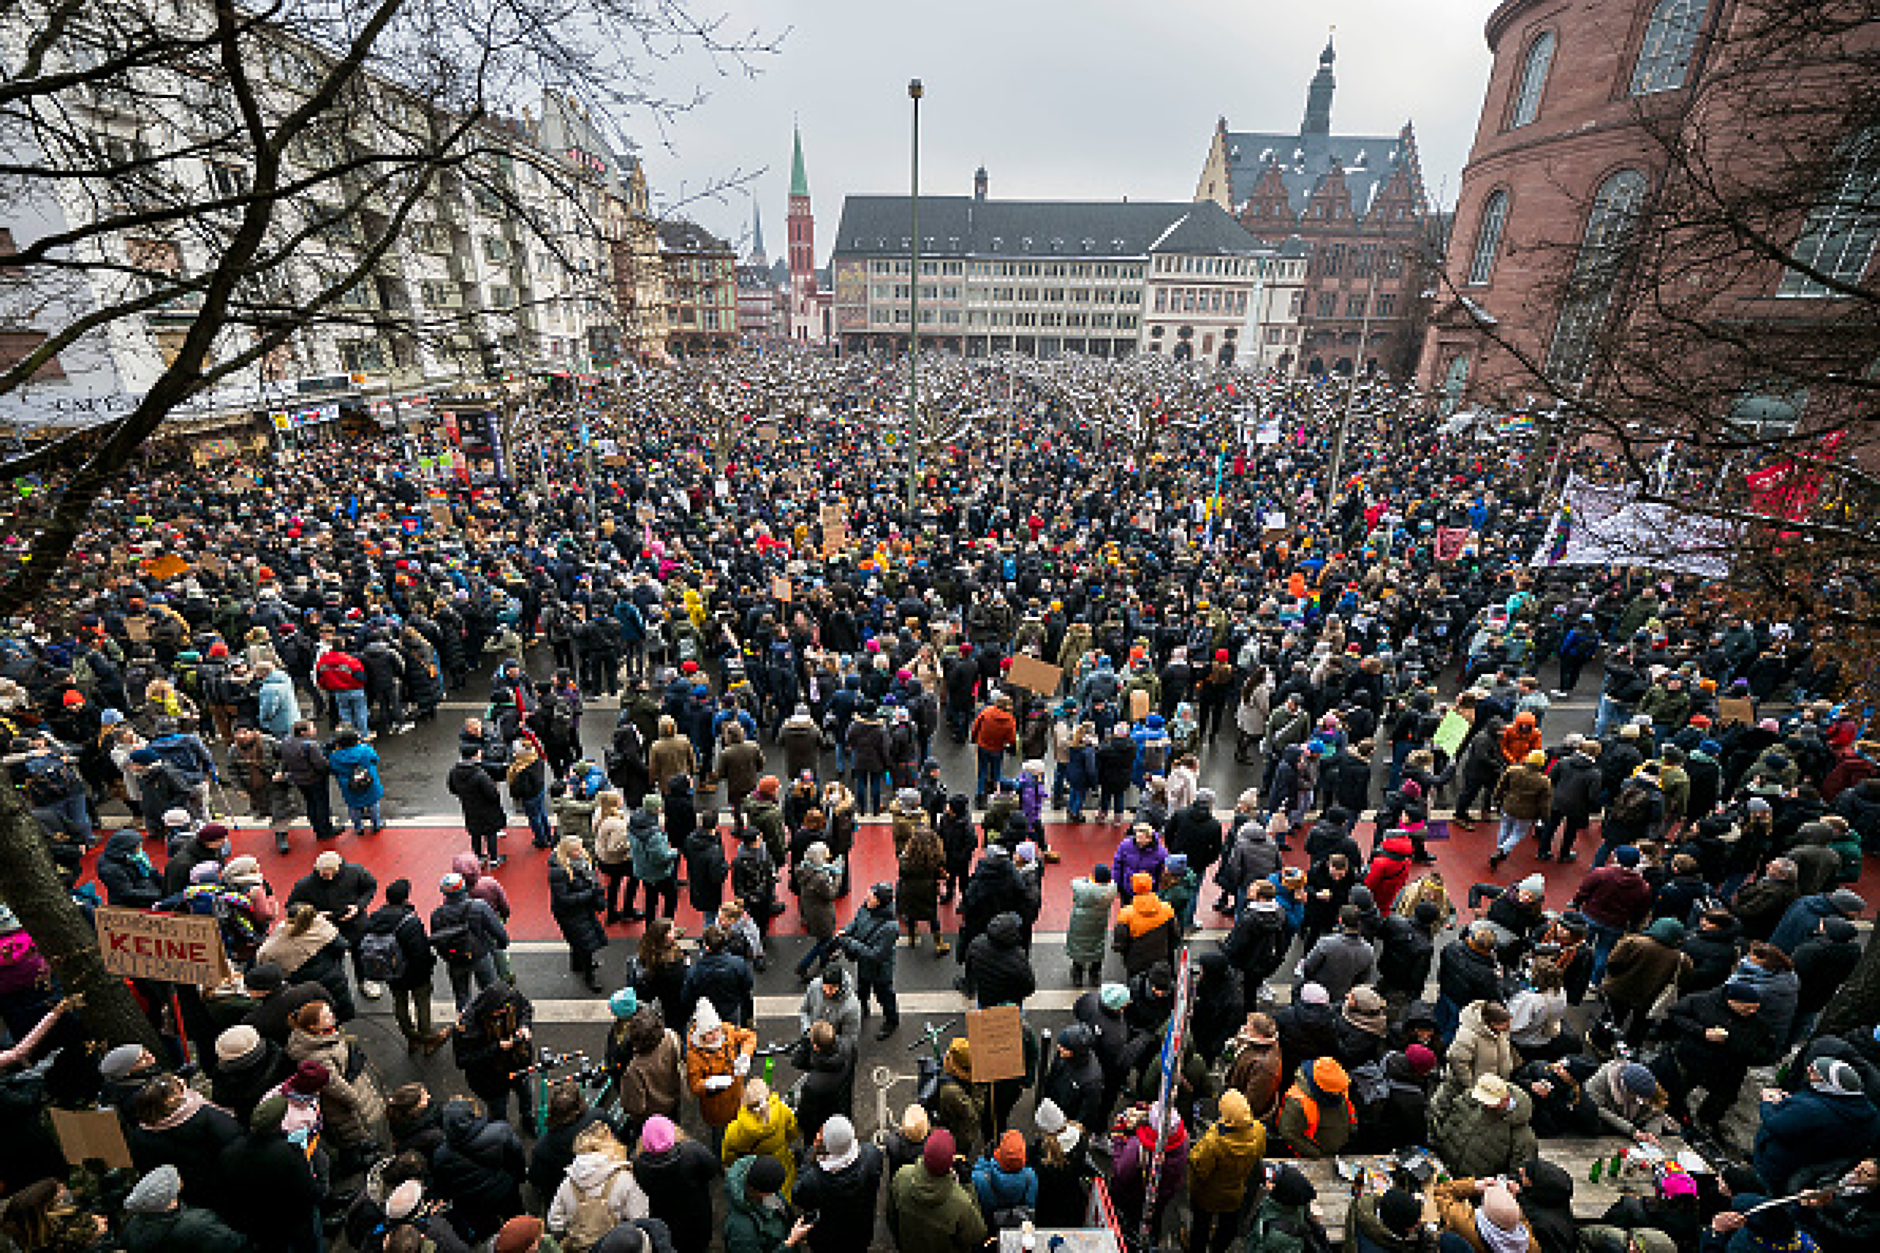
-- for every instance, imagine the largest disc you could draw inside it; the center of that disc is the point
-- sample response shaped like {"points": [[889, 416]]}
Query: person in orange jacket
{"points": [[994, 732], [1522, 738], [717, 1061]]}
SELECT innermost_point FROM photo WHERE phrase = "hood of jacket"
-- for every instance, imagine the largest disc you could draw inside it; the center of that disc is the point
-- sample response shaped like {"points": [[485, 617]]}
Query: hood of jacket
{"points": [[1548, 1185], [1005, 930], [589, 1170], [125, 843], [467, 865], [465, 1129]]}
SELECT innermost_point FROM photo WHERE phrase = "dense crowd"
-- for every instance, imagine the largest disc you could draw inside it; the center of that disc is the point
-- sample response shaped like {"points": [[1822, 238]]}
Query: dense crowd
{"points": [[1372, 661]]}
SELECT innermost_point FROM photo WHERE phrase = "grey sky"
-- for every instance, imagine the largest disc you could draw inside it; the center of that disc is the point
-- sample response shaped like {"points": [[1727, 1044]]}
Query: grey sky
{"points": [[1074, 99]]}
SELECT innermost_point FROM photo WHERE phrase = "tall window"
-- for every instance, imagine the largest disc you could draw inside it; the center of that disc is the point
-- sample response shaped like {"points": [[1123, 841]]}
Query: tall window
{"points": [[1838, 238], [1455, 382], [1664, 55], [1533, 80], [1597, 270], [1488, 238]]}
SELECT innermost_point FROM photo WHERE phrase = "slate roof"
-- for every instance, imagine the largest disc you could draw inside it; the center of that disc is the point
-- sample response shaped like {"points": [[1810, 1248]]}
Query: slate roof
{"points": [[963, 226], [681, 236], [1303, 160]]}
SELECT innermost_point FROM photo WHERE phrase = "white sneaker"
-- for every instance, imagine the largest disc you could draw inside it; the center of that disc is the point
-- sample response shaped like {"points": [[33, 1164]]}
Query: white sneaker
{"points": [[371, 991]]}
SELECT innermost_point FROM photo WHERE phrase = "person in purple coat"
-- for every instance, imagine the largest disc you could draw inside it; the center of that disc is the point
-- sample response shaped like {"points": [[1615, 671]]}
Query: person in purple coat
{"points": [[1141, 852]]}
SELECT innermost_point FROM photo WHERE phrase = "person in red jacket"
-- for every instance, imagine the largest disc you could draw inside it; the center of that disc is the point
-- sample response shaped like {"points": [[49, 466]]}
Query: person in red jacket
{"points": [[993, 733], [1613, 899], [1390, 868], [343, 677]]}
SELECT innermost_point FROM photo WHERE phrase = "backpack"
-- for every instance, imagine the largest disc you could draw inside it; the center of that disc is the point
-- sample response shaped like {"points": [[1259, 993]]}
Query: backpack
{"points": [[1008, 1217], [559, 716], [49, 780], [450, 935], [175, 753], [360, 780], [381, 956], [1369, 1087], [593, 1217], [1633, 804]]}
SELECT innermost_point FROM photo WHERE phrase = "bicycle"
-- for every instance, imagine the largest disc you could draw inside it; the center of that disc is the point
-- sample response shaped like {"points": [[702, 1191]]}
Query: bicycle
{"points": [[926, 1076]]}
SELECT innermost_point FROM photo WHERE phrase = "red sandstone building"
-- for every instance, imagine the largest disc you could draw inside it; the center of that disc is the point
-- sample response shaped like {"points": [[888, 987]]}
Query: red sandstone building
{"points": [[1566, 161]]}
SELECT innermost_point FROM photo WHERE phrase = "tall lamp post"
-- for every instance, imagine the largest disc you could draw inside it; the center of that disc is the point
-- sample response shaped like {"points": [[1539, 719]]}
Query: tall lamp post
{"points": [[914, 93]]}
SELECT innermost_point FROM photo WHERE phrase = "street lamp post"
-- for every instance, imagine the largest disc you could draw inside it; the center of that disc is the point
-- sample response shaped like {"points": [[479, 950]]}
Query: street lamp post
{"points": [[914, 93]]}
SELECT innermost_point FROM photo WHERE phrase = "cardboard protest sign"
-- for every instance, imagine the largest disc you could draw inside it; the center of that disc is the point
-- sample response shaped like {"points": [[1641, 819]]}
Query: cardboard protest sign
{"points": [[175, 948], [441, 518], [1138, 704], [137, 627], [1034, 675], [91, 1135], [1736, 711], [996, 1039], [780, 588]]}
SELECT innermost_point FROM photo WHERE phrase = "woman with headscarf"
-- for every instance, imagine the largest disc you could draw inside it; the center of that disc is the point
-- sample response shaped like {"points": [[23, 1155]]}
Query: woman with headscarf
{"points": [[576, 899]]}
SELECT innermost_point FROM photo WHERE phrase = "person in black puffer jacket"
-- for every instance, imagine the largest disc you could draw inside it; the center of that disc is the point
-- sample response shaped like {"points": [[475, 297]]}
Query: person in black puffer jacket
{"points": [[1713, 946], [998, 971], [415, 1120], [247, 1067], [1860, 805], [1546, 1199], [828, 1060], [1466, 973], [479, 1169]]}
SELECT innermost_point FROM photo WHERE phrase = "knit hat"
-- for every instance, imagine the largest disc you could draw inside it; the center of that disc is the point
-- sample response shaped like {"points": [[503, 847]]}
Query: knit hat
{"points": [[915, 1125], [1328, 1076], [1837, 1079], [450, 884], [1638, 1080], [119, 1062], [658, 1135], [236, 1044], [155, 1192], [243, 872], [1626, 855], [1289, 1187], [756, 1094], [1677, 1183], [1113, 997], [1536, 758], [524, 1231], [705, 1017], [959, 1060], [1400, 1211], [309, 1078], [1140, 883], [404, 1200], [1847, 901], [1422, 1060], [769, 786], [1049, 1119], [1011, 1151], [625, 1003], [838, 1137], [1315, 994], [265, 977], [1234, 1110], [936, 1155], [145, 757], [1742, 993], [1533, 885]]}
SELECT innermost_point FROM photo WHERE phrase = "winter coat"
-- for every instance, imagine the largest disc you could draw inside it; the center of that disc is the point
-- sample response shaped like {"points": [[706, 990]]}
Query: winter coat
{"points": [[1473, 1139], [194, 1145], [270, 1188], [1455, 1210], [344, 761], [1577, 783], [130, 881], [1464, 975], [816, 898], [479, 1168], [591, 1176], [576, 898], [1639, 968], [1312, 1124], [402, 922], [845, 1198], [652, 855], [1614, 896], [718, 1108], [351, 887], [278, 709], [997, 968], [1390, 869], [184, 1229], [1475, 1051], [1823, 963], [669, 755], [1338, 962], [1810, 1128], [678, 1191], [1365, 1232], [1219, 1165], [1088, 928], [1748, 1041], [1251, 858], [1713, 956], [1131, 859], [1405, 951], [724, 979], [920, 864], [351, 1102], [869, 942], [1524, 792], [930, 1213], [769, 1132]]}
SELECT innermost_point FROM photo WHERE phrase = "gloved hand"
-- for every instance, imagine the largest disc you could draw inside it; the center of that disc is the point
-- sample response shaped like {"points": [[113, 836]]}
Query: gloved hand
{"points": [[741, 1067]]}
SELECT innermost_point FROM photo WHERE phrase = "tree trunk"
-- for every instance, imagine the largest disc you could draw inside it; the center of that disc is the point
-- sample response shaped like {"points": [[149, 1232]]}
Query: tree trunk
{"points": [[1855, 1005], [30, 887]]}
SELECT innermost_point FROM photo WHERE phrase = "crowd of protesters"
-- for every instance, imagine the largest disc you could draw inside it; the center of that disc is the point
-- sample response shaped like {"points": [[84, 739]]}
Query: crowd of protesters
{"points": [[785, 643]]}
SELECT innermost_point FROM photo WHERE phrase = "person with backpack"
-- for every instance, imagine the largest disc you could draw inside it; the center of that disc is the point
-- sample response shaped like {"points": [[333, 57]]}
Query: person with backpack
{"points": [[1006, 1187], [304, 763], [56, 793], [395, 951], [465, 935], [342, 891], [484, 817], [355, 764], [598, 1192], [527, 777], [1633, 814]]}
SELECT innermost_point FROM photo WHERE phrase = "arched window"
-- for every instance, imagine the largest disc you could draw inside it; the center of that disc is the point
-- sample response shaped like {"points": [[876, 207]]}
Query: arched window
{"points": [[1596, 271], [1488, 238], [1533, 80], [1664, 55], [1838, 237]]}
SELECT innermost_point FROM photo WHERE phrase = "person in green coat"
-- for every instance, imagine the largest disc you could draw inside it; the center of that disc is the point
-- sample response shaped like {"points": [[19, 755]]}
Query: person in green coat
{"points": [[1284, 1216], [1087, 934], [157, 1221], [929, 1210], [757, 1218]]}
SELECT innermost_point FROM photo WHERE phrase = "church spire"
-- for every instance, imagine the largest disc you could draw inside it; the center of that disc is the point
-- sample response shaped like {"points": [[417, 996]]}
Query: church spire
{"points": [[757, 236], [799, 177], [1318, 119]]}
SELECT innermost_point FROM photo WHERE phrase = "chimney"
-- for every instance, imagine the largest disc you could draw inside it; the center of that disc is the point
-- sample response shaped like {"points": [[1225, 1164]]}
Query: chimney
{"points": [[979, 183]]}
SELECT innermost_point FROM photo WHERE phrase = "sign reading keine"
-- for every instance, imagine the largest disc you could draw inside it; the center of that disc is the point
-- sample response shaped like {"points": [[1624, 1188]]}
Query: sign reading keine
{"points": [[174, 948]]}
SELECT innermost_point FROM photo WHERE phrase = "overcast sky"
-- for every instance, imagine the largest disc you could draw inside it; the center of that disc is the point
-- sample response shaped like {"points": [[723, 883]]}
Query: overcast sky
{"points": [[1070, 99]]}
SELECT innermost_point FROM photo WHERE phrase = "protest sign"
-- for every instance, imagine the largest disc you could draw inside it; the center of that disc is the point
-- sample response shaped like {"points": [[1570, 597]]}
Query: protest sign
{"points": [[996, 1039], [174, 948], [1034, 675]]}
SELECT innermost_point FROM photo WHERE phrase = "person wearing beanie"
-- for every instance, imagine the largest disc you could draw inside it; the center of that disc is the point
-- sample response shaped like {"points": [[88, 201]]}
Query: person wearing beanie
{"points": [[1282, 1220], [1006, 1187], [1484, 1214], [1716, 1036], [1630, 1100], [676, 1173], [1641, 967], [1147, 930], [267, 1188], [522, 1234], [758, 1217], [1814, 1125], [1803, 918], [1524, 795], [717, 1061], [1308, 1028], [1219, 1166], [247, 1067], [929, 1210], [1387, 1222], [841, 1182], [156, 1221], [1613, 898], [1315, 1116]]}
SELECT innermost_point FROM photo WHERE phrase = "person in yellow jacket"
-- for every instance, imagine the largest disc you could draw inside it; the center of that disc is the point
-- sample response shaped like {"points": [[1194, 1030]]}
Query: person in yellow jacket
{"points": [[764, 1127], [1218, 1168]]}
